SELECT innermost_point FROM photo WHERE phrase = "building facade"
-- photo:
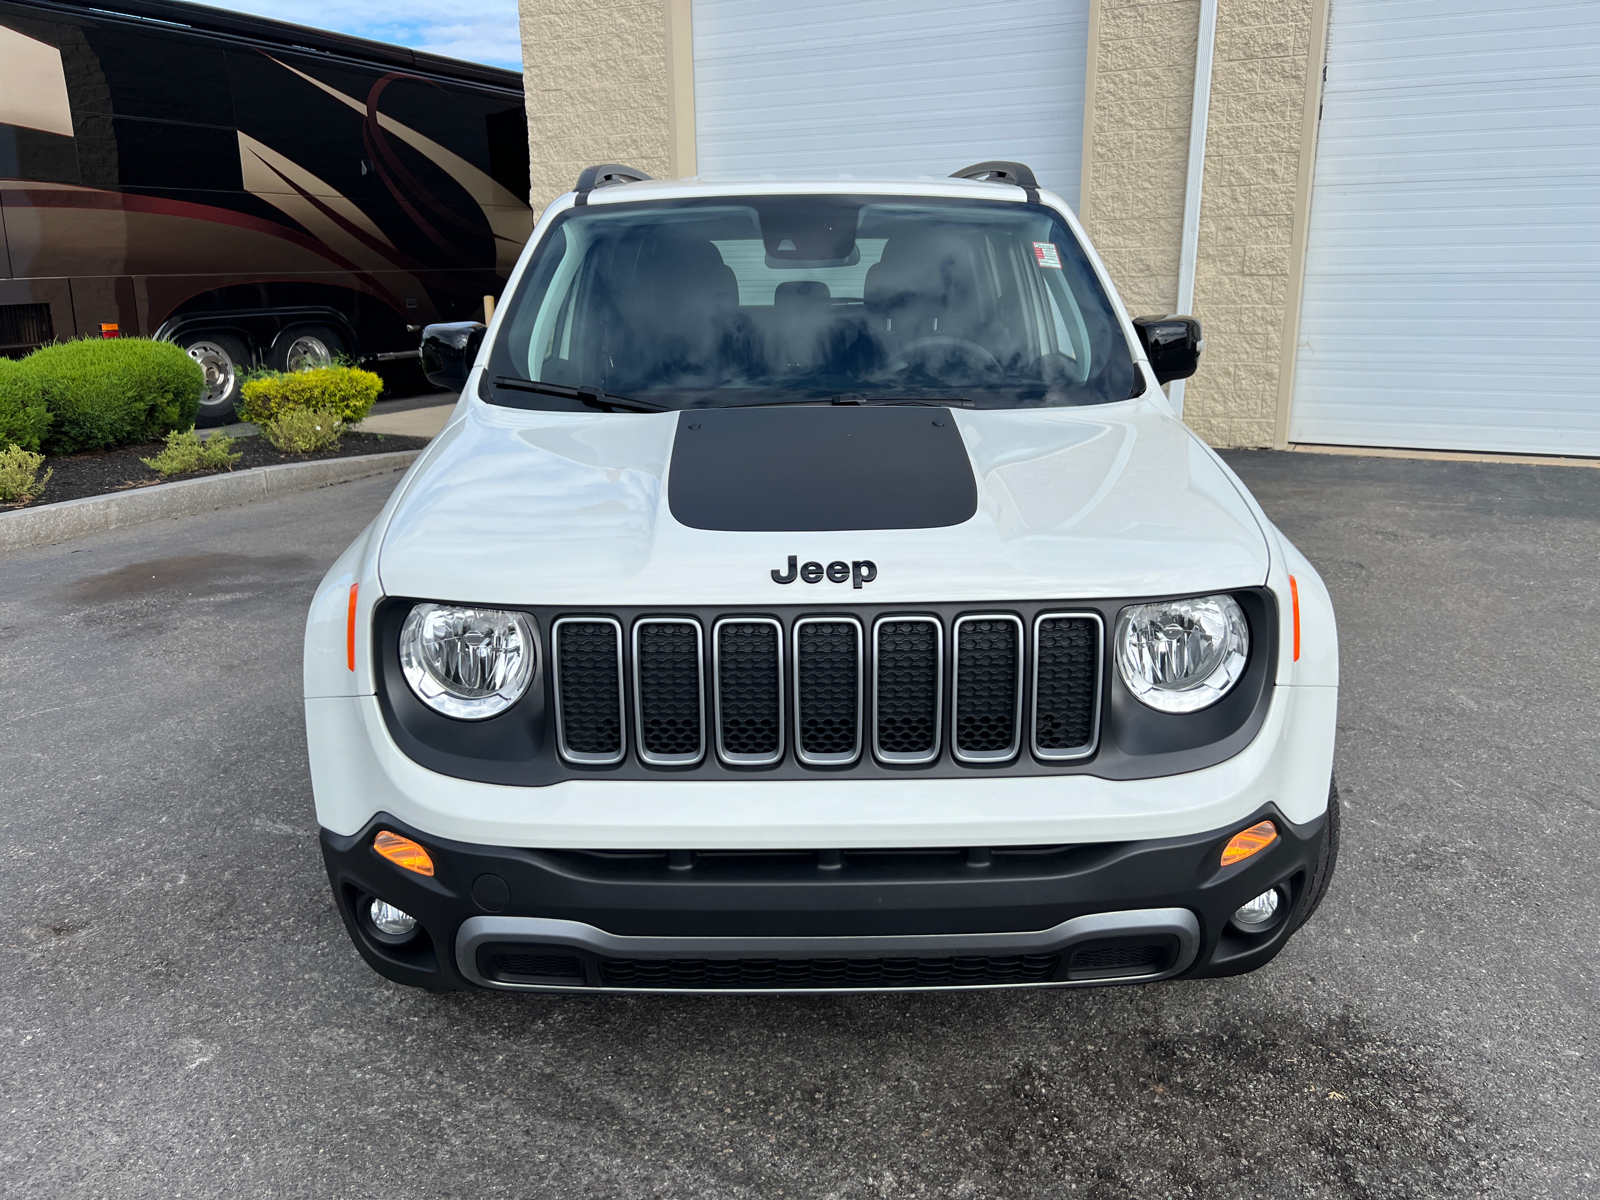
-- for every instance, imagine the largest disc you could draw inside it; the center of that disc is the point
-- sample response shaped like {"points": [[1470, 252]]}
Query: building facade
{"points": [[1396, 238]]}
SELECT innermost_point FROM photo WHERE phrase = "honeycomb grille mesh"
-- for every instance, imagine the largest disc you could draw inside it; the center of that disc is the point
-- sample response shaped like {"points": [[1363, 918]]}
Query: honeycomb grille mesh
{"points": [[1064, 704], [748, 688], [987, 657], [907, 711], [591, 692], [827, 668], [759, 973], [669, 689]]}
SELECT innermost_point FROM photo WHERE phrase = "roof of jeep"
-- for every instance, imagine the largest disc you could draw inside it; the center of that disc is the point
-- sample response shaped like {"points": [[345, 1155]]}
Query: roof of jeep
{"points": [[682, 189]]}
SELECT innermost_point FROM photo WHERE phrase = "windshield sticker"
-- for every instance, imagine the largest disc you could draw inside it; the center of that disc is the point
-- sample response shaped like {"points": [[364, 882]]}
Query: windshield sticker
{"points": [[1047, 254]]}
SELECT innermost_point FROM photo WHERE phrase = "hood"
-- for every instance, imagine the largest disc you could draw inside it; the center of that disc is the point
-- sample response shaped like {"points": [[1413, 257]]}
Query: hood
{"points": [[526, 507]]}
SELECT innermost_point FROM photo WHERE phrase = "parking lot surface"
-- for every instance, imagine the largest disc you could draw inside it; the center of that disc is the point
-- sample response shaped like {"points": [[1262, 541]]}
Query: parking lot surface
{"points": [[182, 1015]]}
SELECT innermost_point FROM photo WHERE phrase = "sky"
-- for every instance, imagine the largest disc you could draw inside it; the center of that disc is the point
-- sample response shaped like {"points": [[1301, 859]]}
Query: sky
{"points": [[477, 30]]}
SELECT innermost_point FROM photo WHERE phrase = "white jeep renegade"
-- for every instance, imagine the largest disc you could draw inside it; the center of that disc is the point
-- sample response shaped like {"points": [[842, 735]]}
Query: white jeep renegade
{"points": [[813, 590]]}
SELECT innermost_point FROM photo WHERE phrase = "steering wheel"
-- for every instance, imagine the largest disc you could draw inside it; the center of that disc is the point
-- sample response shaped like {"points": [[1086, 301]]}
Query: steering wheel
{"points": [[970, 351]]}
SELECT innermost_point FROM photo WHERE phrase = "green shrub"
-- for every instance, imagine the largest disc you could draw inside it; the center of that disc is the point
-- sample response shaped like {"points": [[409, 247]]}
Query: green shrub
{"points": [[347, 392], [23, 416], [106, 392], [186, 452], [19, 475], [303, 430]]}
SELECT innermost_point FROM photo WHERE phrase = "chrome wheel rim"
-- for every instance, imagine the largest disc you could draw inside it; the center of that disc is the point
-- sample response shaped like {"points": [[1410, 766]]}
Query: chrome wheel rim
{"points": [[306, 352], [219, 372]]}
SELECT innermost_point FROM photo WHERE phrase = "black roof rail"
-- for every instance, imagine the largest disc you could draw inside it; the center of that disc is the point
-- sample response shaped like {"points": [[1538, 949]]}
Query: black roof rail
{"points": [[1000, 171], [605, 175]]}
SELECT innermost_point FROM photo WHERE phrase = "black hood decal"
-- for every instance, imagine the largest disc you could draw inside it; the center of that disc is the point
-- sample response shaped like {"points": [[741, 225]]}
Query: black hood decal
{"points": [[813, 469]]}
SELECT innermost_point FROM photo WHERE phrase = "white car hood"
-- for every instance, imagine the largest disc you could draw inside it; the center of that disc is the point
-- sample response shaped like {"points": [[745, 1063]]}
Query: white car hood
{"points": [[529, 507]]}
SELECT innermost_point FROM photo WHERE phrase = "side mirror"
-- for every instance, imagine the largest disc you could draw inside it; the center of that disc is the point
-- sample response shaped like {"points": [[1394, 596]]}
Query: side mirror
{"points": [[1172, 344], [448, 352]]}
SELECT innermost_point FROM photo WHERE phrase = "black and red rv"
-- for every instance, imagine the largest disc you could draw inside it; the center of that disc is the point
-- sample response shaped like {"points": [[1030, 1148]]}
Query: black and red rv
{"points": [[257, 192]]}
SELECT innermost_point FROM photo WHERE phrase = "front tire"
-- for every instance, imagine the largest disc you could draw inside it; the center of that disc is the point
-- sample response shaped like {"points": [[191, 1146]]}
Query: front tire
{"points": [[222, 357]]}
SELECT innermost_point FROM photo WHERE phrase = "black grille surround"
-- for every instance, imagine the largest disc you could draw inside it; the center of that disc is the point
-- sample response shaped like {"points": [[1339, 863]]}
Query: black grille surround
{"points": [[584, 720]]}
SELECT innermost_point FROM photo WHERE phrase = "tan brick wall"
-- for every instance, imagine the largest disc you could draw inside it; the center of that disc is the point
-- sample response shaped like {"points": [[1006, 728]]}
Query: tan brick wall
{"points": [[1247, 213], [1139, 145], [1138, 156], [597, 90]]}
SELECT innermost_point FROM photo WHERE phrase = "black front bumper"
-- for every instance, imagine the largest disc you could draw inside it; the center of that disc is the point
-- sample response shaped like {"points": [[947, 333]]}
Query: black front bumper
{"points": [[821, 920]]}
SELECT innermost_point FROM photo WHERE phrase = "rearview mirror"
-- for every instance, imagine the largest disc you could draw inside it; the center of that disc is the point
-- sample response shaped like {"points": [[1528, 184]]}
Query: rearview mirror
{"points": [[1172, 344], [448, 352]]}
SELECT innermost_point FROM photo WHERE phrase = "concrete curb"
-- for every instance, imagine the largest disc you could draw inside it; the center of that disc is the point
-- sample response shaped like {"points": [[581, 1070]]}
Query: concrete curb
{"points": [[53, 523]]}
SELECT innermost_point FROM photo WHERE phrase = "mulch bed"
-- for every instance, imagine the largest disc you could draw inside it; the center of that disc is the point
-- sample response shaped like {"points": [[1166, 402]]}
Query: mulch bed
{"points": [[80, 475]]}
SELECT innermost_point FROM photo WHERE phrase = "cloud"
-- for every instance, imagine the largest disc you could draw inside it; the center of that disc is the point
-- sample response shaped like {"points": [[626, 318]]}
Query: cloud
{"points": [[481, 31]]}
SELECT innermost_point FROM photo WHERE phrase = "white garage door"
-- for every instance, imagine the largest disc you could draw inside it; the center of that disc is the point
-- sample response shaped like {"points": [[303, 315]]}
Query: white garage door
{"points": [[889, 87], [1452, 294]]}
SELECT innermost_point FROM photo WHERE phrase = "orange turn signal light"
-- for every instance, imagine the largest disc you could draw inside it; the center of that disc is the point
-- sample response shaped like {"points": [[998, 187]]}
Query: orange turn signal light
{"points": [[403, 852], [1247, 842]]}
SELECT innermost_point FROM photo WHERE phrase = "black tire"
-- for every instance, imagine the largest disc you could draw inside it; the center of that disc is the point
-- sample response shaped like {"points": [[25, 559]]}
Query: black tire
{"points": [[1327, 859], [223, 357], [306, 346]]}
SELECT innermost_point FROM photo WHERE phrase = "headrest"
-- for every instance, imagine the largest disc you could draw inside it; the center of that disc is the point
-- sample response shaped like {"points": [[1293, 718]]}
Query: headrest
{"points": [[798, 292], [686, 272]]}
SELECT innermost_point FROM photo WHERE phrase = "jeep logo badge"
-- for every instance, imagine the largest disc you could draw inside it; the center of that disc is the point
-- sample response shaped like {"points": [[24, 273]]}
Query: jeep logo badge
{"points": [[863, 570]]}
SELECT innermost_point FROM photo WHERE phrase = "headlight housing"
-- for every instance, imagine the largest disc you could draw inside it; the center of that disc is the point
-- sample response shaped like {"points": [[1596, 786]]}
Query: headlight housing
{"points": [[468, 663], [1180, 656]]}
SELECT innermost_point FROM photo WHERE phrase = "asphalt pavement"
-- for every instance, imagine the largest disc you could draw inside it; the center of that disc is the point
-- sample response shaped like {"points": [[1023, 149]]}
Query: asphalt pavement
{"points": [[182, 1015]]}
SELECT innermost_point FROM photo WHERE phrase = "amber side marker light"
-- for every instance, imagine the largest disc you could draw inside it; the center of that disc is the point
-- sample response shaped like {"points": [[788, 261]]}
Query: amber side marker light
{"points": [[1247, 842], [403, 852]]}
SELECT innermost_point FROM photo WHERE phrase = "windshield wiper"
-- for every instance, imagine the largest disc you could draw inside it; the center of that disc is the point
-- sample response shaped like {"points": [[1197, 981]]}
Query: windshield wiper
{"points": [[857, 398], [591, 396]]}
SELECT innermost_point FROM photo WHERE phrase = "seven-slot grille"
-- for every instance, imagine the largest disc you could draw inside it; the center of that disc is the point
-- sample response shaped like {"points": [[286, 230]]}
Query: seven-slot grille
{"points": [[842, 697]]}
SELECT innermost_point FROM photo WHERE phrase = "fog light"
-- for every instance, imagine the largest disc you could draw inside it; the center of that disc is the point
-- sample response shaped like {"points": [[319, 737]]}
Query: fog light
{"points": [[1255, 915], [398, 923]]}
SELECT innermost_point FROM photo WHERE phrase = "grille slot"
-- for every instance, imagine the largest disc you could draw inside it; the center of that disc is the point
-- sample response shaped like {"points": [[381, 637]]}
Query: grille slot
{"points": [[827, 690], [668, 682], [987, 693], [769, 973], [747, 658], [588, 690], [907, 688], [1067, 649]]}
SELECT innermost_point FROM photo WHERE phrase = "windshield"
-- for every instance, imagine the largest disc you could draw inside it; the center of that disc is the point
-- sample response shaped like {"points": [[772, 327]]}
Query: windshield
{"points": [[692, 304]]}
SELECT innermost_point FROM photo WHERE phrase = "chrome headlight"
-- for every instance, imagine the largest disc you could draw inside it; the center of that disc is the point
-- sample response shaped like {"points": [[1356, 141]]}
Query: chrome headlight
{"points": [[469, 663], [1180, 656]]}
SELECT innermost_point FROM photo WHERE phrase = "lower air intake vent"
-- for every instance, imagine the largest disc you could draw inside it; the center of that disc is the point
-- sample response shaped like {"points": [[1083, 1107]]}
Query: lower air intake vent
{"points": [[749, 671], [1115, 960], [763, 973], [1066, 685], [988, 688], [588, 663], [512, 966], [827, 686], [910, 669], [667, 687]]}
